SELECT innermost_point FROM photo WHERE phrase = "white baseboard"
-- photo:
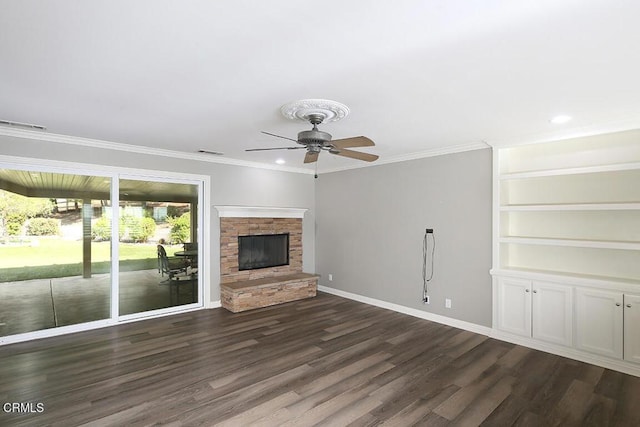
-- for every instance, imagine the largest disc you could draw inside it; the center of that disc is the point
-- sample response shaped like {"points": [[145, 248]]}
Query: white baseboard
{"points": [[460, 324], [213, 304], [616, 365], [571, 353]]}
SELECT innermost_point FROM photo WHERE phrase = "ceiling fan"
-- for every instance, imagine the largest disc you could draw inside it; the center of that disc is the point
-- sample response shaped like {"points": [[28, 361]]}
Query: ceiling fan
{"points": [[315, 140]]}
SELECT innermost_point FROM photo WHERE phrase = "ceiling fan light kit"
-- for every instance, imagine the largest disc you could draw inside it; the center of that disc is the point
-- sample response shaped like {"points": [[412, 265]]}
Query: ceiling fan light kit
{"points": [[317, 111]]}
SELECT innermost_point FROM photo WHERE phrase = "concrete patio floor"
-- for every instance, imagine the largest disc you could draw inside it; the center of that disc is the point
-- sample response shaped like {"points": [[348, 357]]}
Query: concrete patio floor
{"points": [[32, 305]]}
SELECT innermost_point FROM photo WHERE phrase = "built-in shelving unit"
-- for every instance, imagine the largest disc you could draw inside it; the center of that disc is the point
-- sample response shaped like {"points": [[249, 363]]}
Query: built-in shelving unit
{"points": [[567, 213], [570, 206]]}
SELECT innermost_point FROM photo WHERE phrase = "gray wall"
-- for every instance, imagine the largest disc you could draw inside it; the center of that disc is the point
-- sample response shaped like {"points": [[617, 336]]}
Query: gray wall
{"points": [[230, 185], [371, 223]]}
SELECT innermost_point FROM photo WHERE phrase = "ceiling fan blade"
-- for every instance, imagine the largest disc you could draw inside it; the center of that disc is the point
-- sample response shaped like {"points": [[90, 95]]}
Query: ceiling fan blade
{"points": [[276, 148], [279, 136], [311, 157], [356, 155], [356, 141]]}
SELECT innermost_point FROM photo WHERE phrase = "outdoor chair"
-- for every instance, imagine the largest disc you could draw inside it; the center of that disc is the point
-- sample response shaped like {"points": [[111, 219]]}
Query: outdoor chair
{"points": [[166, 264], [191, 247], [188, 246]]}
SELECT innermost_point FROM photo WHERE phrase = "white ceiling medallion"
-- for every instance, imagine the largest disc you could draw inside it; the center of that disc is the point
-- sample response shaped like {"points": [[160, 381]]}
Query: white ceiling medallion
{"points": [[332, 111]]}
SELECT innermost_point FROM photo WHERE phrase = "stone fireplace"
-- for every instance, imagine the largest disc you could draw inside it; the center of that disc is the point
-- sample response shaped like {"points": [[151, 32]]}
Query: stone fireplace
{"points": [[232, 228], [246, 289]]}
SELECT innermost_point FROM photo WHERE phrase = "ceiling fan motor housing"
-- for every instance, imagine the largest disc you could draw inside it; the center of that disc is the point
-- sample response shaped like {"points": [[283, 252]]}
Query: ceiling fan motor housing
{"points": [[313, 136]]}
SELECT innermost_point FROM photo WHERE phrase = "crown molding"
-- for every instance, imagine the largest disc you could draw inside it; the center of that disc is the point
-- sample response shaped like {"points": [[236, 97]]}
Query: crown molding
{"points": [[107, 145], [629, 123], [414, 156], [259, 212], [117, 146]]}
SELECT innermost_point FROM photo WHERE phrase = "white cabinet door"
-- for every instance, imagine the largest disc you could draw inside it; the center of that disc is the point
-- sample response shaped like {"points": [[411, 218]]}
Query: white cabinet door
{"points": [[553, 313], [632, 328], [599, 322], [514, 306]]}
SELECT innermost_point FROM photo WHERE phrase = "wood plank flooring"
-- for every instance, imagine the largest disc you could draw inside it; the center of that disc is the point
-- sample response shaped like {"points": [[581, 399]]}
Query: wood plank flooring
{"points": [[324, 361]]}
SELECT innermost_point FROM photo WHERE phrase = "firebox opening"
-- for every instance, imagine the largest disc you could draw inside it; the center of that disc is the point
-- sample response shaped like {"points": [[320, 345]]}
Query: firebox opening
{"points": [[262, 251]]}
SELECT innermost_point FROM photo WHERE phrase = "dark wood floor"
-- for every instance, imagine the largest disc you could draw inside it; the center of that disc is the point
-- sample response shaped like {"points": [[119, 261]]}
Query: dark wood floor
{"points": [[327, 361]]}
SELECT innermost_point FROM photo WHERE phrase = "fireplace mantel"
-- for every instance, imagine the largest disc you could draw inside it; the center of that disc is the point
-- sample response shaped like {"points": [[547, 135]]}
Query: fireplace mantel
{"points": [[259, 212]]}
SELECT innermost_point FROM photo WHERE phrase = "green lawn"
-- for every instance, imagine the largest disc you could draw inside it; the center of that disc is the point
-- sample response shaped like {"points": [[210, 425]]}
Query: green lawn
{"points": [[62, 258]]}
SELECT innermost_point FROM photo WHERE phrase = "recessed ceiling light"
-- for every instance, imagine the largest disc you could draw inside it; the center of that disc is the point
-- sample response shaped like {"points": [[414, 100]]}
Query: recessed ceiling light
{"points": [[280, 161], [558, 120]]}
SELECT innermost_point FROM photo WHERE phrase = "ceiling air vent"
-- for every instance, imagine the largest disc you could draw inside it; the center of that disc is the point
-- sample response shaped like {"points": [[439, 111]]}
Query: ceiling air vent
{"points": [[215, 153], [22, 125]]}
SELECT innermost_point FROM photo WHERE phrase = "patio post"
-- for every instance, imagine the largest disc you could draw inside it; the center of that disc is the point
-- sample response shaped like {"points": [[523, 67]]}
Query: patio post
{"points": [[87, 213], [193, 207]]}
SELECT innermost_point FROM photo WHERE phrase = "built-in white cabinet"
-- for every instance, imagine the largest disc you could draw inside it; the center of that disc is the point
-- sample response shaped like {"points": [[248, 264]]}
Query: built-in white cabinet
{"points": [[537, 309], [608, 323], [514, 306], [632, 328], [599, 322], [566, 247], [552, 313]]}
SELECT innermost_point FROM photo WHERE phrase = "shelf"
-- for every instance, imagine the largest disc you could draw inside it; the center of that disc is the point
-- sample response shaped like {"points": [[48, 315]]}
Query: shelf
{"points": [[569, 210], [571, 171], [571, 207], [576, 243], [567, 277]]}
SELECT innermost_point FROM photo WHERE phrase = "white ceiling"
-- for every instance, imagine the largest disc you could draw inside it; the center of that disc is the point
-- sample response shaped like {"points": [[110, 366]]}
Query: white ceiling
{"points": [[418, 75]]}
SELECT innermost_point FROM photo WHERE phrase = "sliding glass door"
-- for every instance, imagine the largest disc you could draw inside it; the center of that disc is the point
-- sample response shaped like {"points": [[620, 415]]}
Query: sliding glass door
{"points": [[158, 249], [80, 250], [55, 267]]}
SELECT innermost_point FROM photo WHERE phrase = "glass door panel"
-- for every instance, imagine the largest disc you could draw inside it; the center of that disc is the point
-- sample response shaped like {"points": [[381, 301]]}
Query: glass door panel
{"points": [[55, 250], [158, 245]]}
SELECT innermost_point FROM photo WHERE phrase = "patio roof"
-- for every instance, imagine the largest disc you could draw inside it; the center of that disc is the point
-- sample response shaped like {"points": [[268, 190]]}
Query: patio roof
{"points": [[72, 186], [53, 185]]}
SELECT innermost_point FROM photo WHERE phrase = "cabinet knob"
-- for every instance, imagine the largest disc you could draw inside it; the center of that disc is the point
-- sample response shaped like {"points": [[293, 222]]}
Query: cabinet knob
{"points": [[617, 304], [628, 305], [535, 292], [526, 290]]}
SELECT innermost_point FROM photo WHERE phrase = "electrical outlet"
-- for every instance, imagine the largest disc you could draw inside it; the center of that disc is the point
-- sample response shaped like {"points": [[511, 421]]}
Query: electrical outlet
{"points": [[425, 300], [447, 303], [331, 277]]}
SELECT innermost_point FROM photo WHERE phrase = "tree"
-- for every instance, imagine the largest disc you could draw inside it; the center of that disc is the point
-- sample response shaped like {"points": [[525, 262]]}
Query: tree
{"points": [[180, 228], [143, 229], [15, 209]]}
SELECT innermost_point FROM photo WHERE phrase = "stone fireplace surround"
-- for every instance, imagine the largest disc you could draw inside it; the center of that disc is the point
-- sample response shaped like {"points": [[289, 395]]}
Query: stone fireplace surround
{"points": [[244, 290]]}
